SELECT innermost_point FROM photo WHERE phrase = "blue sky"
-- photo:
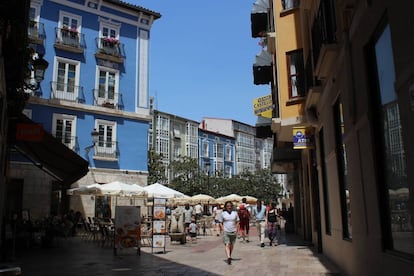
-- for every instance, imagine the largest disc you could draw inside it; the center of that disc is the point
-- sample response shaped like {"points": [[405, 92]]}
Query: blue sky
{"points": [[201, 58]]}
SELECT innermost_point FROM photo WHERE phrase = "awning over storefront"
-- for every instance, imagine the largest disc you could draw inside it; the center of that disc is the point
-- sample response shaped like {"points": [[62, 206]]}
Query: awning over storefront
{"points": [[45, 151]]}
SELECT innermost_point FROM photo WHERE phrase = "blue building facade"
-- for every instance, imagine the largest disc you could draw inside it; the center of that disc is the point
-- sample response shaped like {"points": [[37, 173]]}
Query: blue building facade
{"points": [[216, 154], [95, 94]]}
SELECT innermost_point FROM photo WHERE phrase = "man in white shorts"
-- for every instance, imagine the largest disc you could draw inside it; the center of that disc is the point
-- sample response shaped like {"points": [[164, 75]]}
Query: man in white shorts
{"points": [[230, 221]]}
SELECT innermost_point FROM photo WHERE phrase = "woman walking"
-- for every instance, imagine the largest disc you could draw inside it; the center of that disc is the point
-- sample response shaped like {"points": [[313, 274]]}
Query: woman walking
{"points": [[230, 222], [271, 219]]}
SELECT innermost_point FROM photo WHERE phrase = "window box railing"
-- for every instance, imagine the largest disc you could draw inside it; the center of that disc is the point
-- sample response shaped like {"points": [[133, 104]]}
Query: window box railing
{"points": [[36, 32], [68, 92], [69, 40], [110, 49], [106, 150], [107, 99]]}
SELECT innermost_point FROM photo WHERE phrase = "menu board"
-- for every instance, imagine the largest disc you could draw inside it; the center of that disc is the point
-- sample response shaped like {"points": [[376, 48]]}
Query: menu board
{"points": [[127, 227], [159, 227], [159, 223]]}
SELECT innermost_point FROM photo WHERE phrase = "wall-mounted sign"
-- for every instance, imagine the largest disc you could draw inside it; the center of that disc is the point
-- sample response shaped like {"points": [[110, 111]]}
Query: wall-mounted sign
{"points": [[303, 138], [29, 132], [263, 106]]}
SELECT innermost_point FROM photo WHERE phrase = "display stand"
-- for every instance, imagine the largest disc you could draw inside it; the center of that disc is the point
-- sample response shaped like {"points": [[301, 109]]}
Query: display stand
{"points": [[127, 228], [159, 220]]}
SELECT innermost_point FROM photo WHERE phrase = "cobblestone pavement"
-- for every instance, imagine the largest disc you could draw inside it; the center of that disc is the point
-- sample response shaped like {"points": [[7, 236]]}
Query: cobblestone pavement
{"points": [[206, 256]]}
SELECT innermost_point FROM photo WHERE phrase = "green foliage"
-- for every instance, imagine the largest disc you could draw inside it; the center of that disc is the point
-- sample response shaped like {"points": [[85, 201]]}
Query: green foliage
{"points": [[186, 176], [188, 180], [156, 168]]}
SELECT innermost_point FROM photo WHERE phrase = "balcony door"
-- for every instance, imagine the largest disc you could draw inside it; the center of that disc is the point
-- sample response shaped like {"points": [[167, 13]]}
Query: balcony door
{"points": [[106, 146], [64, 128], [66, 80], [69, 29], [107, 87]]}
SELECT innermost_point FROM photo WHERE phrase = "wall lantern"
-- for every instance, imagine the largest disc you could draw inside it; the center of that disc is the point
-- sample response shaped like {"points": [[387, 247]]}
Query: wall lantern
{"points": [[37, 68], [95, 137]]}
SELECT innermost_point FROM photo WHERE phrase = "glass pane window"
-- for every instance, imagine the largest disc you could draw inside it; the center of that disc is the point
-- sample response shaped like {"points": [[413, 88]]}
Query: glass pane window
{"points": [[71, 23], [393, 172], [296, 73], [64, 130], [107, 85], [105, 136], [343, 171]]}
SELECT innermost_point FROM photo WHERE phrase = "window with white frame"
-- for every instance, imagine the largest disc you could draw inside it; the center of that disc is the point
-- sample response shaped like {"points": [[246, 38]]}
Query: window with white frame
{"points": [[191, 150], [228, 153], [227, 172], [219, 150], [69, 28], [107, 86], [109, 36], [109, 30], [205, 149], [66, 79], [106, 145], [64, 129], [72, 21], [177, 151]]}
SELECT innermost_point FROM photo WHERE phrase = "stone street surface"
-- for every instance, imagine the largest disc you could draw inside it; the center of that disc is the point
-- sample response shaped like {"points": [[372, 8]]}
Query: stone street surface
{"points": [[74, 256]]}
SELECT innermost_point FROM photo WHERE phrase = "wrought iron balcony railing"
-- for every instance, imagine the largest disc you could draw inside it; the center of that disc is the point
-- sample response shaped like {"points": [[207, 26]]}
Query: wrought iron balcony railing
{"points": [[68, 92], [106, 149], [69, 40], [110, 49], [109, 99], [36, 32]]}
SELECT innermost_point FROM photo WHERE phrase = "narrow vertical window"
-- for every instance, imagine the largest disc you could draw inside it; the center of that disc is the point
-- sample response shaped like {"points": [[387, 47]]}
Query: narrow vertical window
{"points": [[325, 191], [342, 171], [296, 71]]}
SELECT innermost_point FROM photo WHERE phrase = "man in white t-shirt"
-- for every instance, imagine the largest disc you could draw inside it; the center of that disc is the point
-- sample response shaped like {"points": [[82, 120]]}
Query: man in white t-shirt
{"points": [[230, 221], [198, 209]]}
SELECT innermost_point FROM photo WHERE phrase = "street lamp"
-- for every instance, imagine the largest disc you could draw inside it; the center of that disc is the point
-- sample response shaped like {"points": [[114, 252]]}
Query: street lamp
{"points": [[37, 68], [95, 137]]}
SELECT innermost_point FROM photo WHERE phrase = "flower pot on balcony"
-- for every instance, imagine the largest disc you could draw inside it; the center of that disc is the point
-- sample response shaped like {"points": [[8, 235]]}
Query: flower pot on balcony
{"points": [[108, 105]]}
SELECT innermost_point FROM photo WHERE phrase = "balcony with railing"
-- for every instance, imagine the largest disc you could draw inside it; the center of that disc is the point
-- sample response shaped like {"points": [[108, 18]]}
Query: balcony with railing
{"points": [[69, 40], [106, 150], [108, 99], [110, 49], [324, 40], [67, 92], [36, 32]]}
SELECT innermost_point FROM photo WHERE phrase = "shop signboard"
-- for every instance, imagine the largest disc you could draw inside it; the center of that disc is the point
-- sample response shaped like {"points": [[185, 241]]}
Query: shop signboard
{"points": [[263, 106], [127, 228], [303, 138], [159, 223]]}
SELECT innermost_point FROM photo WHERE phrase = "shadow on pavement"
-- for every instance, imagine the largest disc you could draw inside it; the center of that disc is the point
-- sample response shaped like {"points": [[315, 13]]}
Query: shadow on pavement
{"points": [[73, 256]]}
